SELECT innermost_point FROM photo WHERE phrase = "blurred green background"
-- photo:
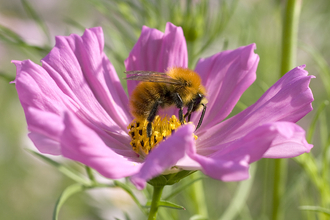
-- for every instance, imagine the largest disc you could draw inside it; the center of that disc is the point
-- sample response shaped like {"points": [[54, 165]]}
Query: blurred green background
{"points": [[30, 187]]}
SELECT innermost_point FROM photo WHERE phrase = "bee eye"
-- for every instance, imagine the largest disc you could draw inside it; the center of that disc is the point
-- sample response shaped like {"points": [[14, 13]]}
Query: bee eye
{"points": [[198, 99]]}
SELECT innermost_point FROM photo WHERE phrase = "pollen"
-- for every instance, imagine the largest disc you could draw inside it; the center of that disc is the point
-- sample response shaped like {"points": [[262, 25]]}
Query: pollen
{"points": [[162, 128]]}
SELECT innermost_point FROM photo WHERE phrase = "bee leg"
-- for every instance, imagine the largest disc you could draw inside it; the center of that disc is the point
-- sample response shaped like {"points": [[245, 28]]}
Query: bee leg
{"points": [[149, 132], [189, 110], [201, 118], [149, 129], [151, 117], [179, 104], [189, 116], [181, 116]]}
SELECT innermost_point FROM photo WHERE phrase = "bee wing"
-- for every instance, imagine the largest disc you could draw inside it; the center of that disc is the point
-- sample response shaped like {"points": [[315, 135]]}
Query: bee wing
{"points": [[150, 76]]}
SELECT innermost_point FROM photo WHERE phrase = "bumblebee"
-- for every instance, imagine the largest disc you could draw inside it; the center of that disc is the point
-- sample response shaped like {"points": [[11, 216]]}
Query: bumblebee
{"points": [[180, 87]]}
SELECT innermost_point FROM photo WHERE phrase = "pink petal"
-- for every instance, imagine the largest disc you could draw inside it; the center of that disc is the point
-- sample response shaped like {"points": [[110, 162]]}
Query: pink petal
{"points": [[157, 51], [165, 155], [76, 77], [46, 129], [292, 147], [186, 163], [226, 76], [118, 142], [80, 143], [43, 103], [289, 99], [81, 70], [45, 144], [232, 163], [37, 89]]}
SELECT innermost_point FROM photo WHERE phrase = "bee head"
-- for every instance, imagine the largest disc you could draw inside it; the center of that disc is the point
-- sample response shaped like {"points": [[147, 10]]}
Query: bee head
{"points": [[199, 102]]}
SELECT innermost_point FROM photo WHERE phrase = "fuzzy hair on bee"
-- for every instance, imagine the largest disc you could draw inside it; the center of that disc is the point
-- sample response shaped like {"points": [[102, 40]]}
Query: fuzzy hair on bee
{"points": [[180, 87]]}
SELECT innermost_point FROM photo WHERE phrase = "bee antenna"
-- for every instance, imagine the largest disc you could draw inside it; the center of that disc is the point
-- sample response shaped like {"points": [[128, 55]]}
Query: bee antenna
{"points": [[202, 117]]}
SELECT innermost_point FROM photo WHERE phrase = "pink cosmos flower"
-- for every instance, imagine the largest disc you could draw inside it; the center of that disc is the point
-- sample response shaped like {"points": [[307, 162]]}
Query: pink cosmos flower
{"points": [[75, 106]]}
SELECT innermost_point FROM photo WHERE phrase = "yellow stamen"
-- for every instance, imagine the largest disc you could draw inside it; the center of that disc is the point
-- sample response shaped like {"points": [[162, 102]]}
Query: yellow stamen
{"points": [[161, 129]]}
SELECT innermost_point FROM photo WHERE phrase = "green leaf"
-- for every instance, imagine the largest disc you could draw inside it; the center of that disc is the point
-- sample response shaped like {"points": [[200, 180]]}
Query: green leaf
{"points": [[198, 217], [170, 179], [90, 174], [311, 130], [182, 187], [130, 192], [158, 181], [308, 162], [171, 205], [166, 204], [6, 77], [316, 209], [127, 216], [9, 36], [176, 177], [240, 197], [69, 191], [63, 169]]}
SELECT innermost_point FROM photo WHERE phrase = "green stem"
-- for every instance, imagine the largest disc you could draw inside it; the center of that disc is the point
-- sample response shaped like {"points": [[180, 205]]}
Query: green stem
{"points": [[90, 175], [288, 56], [280, 174], [154, 203], [199, 197], [289, 35]]}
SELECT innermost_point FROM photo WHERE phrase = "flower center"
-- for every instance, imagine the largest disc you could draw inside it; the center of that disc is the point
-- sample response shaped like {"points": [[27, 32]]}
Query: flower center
{"points": [[161, 129]]}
